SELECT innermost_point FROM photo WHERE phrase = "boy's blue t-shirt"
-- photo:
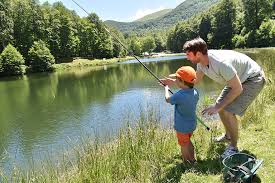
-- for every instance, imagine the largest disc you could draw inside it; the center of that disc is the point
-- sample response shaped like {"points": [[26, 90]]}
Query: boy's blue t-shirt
{"points": [[185, 101]]}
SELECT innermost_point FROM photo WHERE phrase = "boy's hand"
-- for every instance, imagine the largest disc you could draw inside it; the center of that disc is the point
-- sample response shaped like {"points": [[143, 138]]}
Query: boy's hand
{"points": [[168, 81], [167, 95]]}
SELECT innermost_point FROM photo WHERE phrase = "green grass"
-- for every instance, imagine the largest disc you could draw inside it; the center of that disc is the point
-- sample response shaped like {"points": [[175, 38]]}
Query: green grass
{"points": [[148, 152]]}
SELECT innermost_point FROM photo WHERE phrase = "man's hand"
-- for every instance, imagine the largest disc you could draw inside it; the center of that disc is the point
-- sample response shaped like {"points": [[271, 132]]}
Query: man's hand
{"points": [[213, 109], [167, 81]]}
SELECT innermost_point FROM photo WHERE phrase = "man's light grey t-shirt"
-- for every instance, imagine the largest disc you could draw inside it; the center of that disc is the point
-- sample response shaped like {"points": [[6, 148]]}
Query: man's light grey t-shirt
{"points": [[224, 64]]}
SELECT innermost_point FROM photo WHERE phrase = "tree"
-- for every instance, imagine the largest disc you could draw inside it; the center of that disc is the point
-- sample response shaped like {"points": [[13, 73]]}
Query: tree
{"points": [[239, 41], [148, 44], [223, 25], [265, 34], [53, 24], [104, 47], [134, 45], [205, 27], [170, 44], [272, 35], [6, 23], [66, 36], [37, 18], [95, 20], [11, 61], [160, 43], [185, 31], [23, 26], [255, 11], [69, 40], [273, 10], [87, 35], [103, 42], [118, 50], [40, 58]]}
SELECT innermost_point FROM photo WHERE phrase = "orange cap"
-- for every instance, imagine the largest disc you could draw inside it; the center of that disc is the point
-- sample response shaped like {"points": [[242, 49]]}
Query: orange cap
{"points": [[186, 73]]}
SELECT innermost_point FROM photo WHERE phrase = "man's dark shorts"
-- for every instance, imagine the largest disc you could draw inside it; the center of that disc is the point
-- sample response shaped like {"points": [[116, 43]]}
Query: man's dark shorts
{"points": [[251, 88]]}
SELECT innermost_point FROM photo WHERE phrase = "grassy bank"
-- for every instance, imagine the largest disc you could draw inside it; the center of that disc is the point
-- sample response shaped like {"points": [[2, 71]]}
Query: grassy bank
{"points": [[149, 153], [81, 62]]}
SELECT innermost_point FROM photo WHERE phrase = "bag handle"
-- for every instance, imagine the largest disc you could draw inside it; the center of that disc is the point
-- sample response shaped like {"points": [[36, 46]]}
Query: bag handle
{"points": [[245, 170]]}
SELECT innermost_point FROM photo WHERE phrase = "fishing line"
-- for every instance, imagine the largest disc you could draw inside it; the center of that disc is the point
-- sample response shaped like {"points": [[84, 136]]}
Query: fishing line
{"points": [[133, 55]]}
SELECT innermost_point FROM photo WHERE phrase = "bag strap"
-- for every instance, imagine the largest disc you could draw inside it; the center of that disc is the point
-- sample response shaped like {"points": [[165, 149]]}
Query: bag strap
{"points": [[245, 170], [231, 174]]}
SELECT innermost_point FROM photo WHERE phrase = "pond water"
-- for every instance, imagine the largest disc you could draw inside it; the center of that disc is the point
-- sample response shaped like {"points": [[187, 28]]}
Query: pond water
{"points": [[42, 113]]}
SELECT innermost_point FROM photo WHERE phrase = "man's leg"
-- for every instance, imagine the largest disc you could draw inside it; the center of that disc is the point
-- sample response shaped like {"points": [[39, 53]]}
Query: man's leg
{"points": [[230, 123]]}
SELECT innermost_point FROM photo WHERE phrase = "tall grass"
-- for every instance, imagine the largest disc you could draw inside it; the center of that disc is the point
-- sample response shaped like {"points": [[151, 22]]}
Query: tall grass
{"points": [[145, 152], [256, 112], [133, 157]]}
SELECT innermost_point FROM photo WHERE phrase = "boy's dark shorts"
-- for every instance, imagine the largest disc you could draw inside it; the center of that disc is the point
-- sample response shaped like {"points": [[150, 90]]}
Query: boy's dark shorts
{"points": [[251, 88]]}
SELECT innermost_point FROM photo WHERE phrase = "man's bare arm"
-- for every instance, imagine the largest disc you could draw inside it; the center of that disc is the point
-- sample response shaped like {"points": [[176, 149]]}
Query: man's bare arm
{"points": [[199, 76], [236, 89]]}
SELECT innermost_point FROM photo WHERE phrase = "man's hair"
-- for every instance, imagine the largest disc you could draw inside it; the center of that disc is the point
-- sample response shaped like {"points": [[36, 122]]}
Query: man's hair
{"points": [[195, 45]]}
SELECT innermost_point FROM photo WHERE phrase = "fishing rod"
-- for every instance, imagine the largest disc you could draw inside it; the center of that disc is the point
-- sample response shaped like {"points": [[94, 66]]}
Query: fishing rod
{"points": [[129, 51], [133, 55]]}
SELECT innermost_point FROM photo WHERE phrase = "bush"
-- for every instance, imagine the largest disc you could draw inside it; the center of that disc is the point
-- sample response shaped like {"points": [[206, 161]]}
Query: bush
{"points": [[40, 58], [239, 41], [272, 34], [265, 33], [1, 68], [11, 61]]}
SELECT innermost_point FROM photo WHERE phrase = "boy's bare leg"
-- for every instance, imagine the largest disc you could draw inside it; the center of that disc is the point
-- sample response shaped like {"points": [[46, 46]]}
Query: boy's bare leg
{"points": [[187, 152], [230, 123]]}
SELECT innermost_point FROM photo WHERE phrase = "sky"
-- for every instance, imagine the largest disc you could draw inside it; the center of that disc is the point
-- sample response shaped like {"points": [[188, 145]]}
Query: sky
{"points": [[119, 10]]}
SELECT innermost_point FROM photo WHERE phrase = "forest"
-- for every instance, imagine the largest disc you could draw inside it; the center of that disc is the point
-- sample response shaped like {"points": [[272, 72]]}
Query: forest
{"points": [[35, 36]]}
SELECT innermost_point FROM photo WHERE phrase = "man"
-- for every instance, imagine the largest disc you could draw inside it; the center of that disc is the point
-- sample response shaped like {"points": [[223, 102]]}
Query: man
{"points": [[243, 79]]}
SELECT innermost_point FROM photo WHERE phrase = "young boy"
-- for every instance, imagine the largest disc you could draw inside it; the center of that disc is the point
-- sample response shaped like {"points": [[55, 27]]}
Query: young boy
{"points": [[185, 101]]}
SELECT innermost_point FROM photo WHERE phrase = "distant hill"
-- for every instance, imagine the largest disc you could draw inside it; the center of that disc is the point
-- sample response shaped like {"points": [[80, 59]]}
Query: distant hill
{"points": [[153, 15], [183, 11]]}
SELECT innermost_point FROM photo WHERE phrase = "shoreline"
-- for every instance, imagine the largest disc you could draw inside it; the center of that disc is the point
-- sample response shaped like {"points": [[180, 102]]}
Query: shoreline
{"points": [[79, 62]]}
